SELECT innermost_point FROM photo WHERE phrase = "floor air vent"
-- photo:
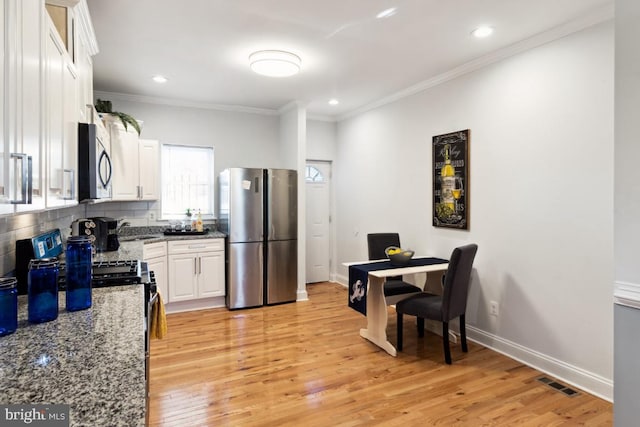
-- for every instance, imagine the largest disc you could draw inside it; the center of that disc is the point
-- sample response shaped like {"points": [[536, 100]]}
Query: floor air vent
{"points": [[559, 387]]}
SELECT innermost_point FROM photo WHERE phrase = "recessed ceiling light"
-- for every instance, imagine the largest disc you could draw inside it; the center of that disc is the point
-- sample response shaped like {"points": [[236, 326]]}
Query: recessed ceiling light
{"points": [[387, 13], [334, 102], [482, 32], [275, 63], [159, 79]]}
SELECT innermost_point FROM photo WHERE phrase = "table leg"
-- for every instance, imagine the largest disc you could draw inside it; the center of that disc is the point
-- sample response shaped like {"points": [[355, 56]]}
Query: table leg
{"points": [[376, 330]]}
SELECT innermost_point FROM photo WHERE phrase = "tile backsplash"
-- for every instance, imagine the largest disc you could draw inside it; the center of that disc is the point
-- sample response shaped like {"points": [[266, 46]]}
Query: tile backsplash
{"points": [[139, 214], [27, 225], [24, 226]]}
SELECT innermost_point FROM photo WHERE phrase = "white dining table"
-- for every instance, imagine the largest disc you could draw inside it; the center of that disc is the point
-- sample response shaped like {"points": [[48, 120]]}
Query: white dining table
{"points": [[376, 330]]}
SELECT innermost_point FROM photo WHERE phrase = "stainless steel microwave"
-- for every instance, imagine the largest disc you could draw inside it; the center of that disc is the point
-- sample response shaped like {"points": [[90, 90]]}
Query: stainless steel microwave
{"points": [[94, 165]]}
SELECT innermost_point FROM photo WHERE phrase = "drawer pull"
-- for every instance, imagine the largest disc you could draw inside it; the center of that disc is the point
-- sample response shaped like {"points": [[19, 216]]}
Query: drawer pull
{"points": [[197, 246]]}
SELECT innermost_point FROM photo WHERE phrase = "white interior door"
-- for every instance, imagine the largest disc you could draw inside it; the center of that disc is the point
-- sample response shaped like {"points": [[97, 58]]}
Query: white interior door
{"points": [[318, 200]]}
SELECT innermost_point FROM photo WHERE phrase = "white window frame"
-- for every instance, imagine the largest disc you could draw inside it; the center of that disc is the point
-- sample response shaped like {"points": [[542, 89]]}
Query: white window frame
{"points": [[169, 187]]}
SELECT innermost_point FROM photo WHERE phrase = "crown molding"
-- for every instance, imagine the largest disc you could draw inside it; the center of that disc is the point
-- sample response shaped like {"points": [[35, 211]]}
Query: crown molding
{"points": [[594, 17], [322, 118], [289, 106], [182, 103]]}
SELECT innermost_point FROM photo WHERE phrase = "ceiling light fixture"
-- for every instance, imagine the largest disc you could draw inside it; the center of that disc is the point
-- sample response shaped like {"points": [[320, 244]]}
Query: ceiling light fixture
{"points": [[159, 79], [482, 32], [275, 63], [334, 102], [387, 13]]}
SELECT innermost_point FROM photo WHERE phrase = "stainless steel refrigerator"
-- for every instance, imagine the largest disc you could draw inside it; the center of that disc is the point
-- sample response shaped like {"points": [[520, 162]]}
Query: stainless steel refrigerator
{"points": [[259, 214]]}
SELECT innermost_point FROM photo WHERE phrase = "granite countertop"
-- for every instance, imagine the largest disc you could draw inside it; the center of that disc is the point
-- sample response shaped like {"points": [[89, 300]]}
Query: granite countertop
{"points": [[133, 239], [92, 360]]}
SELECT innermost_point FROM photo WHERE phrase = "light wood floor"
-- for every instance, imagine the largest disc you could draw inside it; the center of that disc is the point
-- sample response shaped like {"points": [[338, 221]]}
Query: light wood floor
{"points": [[304, 364]]}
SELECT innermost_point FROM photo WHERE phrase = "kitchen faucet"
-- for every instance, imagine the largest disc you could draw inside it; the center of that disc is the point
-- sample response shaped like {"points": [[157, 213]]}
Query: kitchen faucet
{"points": [[122, 225]]}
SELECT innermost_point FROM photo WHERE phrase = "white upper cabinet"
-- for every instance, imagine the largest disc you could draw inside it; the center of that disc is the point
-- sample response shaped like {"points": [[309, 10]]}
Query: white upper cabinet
{"points": [[60, 140], [136, 164], [21, 112], [149, 151], [68, 92], [124, 161], [46, 82]]}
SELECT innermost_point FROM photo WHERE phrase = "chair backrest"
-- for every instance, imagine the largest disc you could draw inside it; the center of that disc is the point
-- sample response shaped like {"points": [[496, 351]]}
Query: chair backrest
{"points": [[378, 242], [456, 281]]}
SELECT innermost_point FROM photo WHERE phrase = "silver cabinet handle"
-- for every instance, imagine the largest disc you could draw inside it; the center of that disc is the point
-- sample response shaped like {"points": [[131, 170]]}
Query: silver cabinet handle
{"points": [[26, 179], [195, 266], [199, 265], [72, 182], [141, 192]]}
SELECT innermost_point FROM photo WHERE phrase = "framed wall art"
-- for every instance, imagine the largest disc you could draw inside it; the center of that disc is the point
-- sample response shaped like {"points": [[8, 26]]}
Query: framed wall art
{"points": [[451, 180]]}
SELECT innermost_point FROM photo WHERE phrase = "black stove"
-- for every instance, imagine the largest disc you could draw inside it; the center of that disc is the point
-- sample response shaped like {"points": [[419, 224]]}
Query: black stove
{"points": [[113, 273]]}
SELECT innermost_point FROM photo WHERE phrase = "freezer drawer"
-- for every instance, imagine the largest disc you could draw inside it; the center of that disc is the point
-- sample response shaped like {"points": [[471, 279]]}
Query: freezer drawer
{"points": [[282, 271], [244, 275]]}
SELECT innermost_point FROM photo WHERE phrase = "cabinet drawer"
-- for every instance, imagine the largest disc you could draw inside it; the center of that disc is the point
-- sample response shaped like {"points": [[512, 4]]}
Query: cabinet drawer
{"points": [[152, 250], [196, 245]]}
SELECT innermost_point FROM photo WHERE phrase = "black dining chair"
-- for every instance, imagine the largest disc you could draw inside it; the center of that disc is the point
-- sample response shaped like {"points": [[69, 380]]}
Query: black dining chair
{"points": [[394, 287], [446, 307]]}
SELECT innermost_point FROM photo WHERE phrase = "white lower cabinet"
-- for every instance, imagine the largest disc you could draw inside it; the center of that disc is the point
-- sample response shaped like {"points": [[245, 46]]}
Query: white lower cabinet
{"points": [[195, 269], [155, 255]]}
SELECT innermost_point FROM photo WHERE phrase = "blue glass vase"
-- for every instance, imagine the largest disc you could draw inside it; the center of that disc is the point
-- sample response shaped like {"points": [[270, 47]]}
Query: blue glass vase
{"points": [[78, 266], [8, 305], [43, 290]]}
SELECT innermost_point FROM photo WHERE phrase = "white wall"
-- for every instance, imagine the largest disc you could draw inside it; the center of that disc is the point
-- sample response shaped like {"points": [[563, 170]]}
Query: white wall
{"points": [[627, 212], [627, 148], [239, 139], [541, 179], [321, 140]]}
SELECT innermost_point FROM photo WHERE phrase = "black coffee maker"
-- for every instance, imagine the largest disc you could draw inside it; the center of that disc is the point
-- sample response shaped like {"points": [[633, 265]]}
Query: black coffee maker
{"points": [[106, 233]]}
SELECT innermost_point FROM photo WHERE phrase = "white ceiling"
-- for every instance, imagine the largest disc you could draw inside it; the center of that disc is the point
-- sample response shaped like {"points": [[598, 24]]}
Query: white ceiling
{"points": [[202, 46]]}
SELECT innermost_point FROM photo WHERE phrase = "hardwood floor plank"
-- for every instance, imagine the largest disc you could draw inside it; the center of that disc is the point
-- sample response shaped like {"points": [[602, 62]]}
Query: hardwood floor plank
{"points": [[305, 364]]}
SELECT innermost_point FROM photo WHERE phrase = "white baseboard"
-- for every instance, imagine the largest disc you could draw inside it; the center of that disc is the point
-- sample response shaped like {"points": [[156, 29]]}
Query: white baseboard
{"points": [[196, 304], [578, 377], [302, 295]]}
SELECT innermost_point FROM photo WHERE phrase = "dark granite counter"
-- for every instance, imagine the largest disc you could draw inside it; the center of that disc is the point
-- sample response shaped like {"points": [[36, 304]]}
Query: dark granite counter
{"points": [[133, 240], [92, 360]]}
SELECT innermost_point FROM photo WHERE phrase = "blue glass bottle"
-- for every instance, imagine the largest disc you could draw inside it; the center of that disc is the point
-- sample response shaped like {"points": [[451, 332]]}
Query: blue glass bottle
{"points": [[43, 290], [78, 266], [8, 305]]}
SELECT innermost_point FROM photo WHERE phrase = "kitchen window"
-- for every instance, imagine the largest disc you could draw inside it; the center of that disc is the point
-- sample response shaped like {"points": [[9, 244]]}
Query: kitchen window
{"points": [[187, 181]]}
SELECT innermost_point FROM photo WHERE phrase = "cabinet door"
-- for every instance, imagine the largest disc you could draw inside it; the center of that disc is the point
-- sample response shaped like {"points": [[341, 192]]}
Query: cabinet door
{"points": [[183, 277], [159, 268], [5, 149], [70, 99], [30, 112], [211, 274], [155, 254], [84, 65], [149, 166], [124, 160], [54, 129]]}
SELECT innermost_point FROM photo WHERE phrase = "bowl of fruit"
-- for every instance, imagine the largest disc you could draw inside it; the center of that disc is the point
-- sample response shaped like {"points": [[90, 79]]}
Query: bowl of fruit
{"points": [[399, 257]]}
